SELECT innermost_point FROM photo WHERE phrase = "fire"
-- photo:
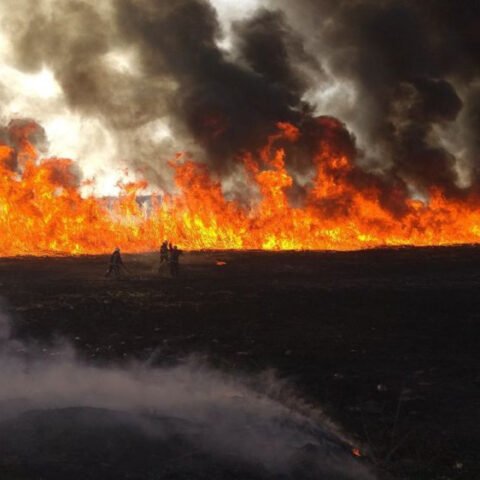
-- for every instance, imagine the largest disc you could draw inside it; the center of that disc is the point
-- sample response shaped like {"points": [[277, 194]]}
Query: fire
{"points": [[356, 452], [42, 211]]}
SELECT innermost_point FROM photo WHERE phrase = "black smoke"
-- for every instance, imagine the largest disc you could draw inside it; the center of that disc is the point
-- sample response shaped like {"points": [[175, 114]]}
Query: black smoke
{"points": [[412, 68], [226, 104]]}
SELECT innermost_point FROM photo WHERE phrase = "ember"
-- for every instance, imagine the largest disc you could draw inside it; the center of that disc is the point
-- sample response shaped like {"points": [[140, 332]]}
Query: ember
{"points": [[43, 212], [356, 452]]}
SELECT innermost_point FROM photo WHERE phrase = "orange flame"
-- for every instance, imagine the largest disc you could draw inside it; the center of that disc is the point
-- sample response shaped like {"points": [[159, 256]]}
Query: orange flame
{"points": [[42, 211]]}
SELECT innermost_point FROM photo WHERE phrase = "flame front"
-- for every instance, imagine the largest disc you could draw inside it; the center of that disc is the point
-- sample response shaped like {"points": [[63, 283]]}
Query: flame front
{"points": [[42, 211]]}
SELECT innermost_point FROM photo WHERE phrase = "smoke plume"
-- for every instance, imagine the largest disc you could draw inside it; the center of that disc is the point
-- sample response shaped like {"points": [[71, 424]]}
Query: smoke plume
{"points": [[408, 71], [402, 76], [191, 404]]}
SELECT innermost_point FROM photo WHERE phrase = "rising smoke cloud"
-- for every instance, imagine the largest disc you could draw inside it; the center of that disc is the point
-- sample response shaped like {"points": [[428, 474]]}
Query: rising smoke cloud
{"points": [[161, 76], [410, 70]]}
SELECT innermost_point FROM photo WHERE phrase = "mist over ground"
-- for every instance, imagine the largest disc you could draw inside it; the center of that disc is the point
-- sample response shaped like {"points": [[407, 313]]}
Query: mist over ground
{"points": [[188, 409]]}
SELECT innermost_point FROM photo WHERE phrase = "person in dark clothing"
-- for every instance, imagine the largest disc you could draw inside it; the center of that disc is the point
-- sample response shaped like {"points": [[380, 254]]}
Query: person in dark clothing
{"points": [[116, 264], [164, 252], [174, 260]]}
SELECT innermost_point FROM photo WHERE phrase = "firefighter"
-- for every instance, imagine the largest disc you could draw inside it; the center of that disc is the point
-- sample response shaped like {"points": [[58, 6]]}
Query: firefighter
{"points": [[174, 260], [163, 254], [116, 264]]}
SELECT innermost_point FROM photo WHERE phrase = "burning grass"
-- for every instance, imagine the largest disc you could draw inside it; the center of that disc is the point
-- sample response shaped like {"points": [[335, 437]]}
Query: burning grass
{"points": [[344, 208]]}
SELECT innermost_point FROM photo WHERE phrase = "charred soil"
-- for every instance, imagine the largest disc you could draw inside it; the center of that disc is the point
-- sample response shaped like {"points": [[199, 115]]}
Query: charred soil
{"points": [[385, 341]]}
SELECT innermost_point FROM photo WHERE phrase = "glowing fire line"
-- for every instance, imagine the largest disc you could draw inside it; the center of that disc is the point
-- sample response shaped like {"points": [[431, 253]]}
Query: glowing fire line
{"points": [[43, 213]]}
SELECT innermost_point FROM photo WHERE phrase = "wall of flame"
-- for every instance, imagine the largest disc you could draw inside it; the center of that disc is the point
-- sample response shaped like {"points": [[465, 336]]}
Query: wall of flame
{"points": [[43, 213]]}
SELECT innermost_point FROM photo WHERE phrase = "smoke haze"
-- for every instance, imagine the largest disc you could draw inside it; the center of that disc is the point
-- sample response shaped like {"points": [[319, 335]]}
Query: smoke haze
{"points": [[215, 412]]}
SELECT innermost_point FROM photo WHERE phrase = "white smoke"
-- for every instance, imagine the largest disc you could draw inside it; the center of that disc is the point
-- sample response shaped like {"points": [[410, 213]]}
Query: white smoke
{"points": [[87, 139], [233, 416]]}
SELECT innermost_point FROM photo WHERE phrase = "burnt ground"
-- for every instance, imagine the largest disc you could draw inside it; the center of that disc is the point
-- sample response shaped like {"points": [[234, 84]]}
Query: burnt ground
{"points": [[385, 341]]}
